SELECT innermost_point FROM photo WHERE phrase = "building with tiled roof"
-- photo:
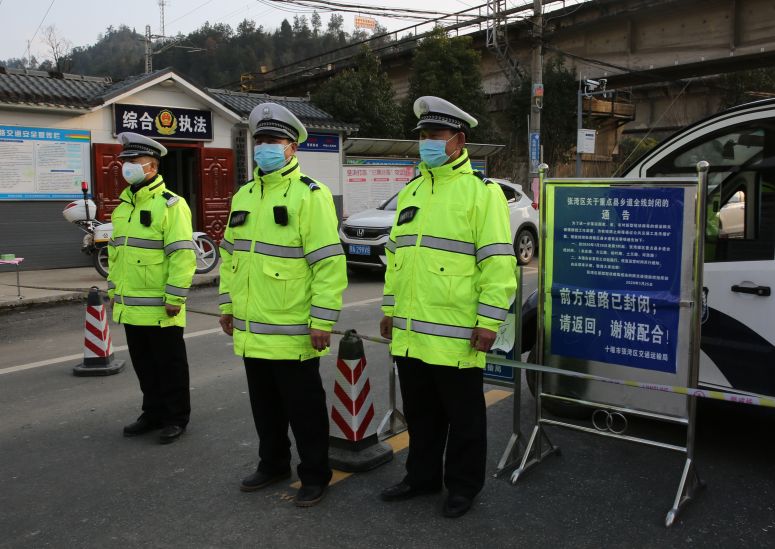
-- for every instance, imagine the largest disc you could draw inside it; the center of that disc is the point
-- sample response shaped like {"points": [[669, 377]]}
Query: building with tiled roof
{"points": [[57, 130]]}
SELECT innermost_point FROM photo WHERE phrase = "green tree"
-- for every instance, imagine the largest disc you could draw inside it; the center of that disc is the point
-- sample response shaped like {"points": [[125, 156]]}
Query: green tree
{"points": [[364, 96], [744, 86], [118, 54], [630, 151], [317, 24], [558, 120], [449, 68]]}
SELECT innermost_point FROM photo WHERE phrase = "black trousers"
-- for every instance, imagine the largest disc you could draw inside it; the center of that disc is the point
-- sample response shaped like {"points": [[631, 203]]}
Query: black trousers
{"points": [[159, 359], [290, 392], [444, 406]]}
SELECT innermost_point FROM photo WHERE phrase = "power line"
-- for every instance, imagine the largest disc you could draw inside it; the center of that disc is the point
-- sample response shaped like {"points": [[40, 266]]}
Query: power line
{"points": [[203, 4], [36, 30], [394, 13]]}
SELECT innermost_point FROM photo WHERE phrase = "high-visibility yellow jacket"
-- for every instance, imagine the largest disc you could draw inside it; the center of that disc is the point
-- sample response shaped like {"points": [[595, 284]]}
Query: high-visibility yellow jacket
{"points": [[151, 256], [283, 270], [451, 264]]}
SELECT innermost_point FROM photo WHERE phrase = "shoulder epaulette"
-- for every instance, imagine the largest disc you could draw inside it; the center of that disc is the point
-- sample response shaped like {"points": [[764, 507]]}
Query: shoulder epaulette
{"points": [[481, 176], [170, 198], [310, 182]]}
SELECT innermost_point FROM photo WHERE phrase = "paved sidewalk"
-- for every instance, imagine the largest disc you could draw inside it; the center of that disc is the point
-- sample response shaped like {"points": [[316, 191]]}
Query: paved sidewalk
{"points": [[57, 285]]}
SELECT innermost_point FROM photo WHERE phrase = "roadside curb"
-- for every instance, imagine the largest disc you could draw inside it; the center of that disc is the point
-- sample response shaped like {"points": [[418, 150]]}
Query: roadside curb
{"points": [[64, 295]]}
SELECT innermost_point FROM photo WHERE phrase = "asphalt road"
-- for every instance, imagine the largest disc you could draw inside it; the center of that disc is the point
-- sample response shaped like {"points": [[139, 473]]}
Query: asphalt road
{"points": [[69, 479]]}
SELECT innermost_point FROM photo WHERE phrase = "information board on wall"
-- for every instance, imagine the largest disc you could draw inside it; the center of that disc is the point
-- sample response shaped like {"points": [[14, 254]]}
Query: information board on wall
{"points": [[43, 163], [321, 142], [368, 186]]}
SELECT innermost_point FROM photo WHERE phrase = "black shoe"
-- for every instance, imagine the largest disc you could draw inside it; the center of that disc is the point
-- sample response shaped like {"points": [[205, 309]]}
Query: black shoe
{"points": [[403, 491], [309, 495], [456, 506], [170, 433], [259, 480], [141, 426]]}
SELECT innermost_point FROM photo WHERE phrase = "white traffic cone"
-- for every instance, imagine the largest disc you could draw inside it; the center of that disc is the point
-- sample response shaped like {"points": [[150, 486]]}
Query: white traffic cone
{"points": [[354, 442], [98, 357]]}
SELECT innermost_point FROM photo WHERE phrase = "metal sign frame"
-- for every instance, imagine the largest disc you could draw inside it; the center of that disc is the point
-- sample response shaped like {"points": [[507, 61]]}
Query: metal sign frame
{"points": [[539, 445]]}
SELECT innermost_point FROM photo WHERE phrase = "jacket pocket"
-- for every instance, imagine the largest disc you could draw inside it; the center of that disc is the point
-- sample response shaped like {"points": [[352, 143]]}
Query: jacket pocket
{"points": [[286, 284], [450, 280], [145, 269]]}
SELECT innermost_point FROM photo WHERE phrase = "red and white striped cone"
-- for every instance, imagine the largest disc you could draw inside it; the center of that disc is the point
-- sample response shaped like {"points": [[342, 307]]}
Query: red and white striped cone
{"points": [[354, 443], [98, 357]]}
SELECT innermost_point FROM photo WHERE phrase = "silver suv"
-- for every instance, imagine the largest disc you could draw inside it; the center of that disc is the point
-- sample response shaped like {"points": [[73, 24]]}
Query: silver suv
{"points": [[364, 234]]}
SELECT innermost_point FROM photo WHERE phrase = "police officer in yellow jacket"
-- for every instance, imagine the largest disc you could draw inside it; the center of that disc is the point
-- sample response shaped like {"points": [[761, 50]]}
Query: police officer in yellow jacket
{"points": [[282, 276], [151, 263], [448, 286]]}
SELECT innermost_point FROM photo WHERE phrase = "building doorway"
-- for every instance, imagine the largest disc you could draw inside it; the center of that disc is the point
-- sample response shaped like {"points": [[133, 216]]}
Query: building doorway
{"points": [[181, 173]]}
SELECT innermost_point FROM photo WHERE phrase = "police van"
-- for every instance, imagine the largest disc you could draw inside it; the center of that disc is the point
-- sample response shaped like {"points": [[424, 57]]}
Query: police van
{"points": [[738, 320]]}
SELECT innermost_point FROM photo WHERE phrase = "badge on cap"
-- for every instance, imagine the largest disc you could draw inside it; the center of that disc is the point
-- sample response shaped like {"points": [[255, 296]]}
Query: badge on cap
{"points": [[424, 108], [267, 112]]}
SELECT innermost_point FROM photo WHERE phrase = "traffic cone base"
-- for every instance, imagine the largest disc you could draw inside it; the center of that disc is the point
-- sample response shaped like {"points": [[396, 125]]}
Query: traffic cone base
{"points": [[354, 445], [364, 455]]}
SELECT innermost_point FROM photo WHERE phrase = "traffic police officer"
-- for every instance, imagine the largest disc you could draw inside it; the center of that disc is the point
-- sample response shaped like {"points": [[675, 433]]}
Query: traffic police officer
{"points": [[449, 283], [282, 276], [151, 262]]}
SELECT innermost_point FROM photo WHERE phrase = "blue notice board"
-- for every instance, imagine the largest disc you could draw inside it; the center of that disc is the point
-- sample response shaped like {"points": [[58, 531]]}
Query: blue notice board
{"points": [[321, 142], [505, 375], [615, 275], [535, 151]]}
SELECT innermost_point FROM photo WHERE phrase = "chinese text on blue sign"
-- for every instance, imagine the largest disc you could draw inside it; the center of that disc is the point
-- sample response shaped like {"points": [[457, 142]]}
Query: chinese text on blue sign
{"points": [[164, 122], [615, 293]]}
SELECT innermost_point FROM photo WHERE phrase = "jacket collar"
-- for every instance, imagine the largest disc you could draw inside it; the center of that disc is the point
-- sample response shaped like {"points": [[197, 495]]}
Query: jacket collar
{"points": [[289, 171], [460, 165], [150, 190]]}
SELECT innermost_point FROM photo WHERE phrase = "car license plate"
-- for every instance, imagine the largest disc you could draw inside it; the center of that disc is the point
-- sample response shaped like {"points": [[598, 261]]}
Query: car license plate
{"points": [[359, 249]]}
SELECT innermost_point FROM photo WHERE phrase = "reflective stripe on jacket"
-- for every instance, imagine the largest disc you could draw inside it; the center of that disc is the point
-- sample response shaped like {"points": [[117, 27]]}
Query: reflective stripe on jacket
{"points": [[451, 265], [151, 256], [279, 280]]}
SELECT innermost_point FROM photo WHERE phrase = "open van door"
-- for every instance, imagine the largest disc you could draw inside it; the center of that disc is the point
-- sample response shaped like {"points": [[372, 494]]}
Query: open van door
{"points": [[738, 331]]}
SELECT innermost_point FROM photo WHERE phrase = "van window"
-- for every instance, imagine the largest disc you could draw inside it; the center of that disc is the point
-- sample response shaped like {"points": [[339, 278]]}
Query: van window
{"points": [[740, 224]]}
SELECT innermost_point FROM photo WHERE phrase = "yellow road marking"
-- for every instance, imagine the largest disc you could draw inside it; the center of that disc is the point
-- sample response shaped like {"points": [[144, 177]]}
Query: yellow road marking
{"points": [[495, 395], [401, 440]]}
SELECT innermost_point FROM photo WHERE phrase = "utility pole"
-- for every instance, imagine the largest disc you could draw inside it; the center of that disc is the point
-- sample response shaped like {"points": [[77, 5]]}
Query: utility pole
{"points": [[162, 3], [536, 96], [148, 50]]}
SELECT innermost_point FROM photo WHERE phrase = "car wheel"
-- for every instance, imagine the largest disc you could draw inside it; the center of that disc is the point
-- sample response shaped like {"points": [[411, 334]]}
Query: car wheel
{"points": [[554, 407], [524, 246]]}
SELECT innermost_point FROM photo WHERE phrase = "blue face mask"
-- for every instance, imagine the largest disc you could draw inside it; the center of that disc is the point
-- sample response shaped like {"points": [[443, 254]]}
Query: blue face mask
{"points": [[434, 151], [270, 157], [133, 173]]}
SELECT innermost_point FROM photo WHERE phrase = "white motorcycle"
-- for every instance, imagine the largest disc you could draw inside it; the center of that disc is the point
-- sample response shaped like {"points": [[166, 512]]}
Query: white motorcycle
{"points": [[98, 233]]}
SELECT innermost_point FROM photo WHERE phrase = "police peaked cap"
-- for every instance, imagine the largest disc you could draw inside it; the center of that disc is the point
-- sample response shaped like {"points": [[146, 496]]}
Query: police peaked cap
{"points": [[435, 112], [138, 145], [277, 121]]}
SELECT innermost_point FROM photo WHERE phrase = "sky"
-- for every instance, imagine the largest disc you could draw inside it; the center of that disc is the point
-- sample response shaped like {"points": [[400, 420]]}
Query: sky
{"points": [[81, 21]]}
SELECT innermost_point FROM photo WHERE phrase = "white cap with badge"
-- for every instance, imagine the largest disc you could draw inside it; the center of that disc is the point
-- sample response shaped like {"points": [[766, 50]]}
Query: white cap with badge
{"points": [[276, 120], [435, 112], [135, 145]]}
